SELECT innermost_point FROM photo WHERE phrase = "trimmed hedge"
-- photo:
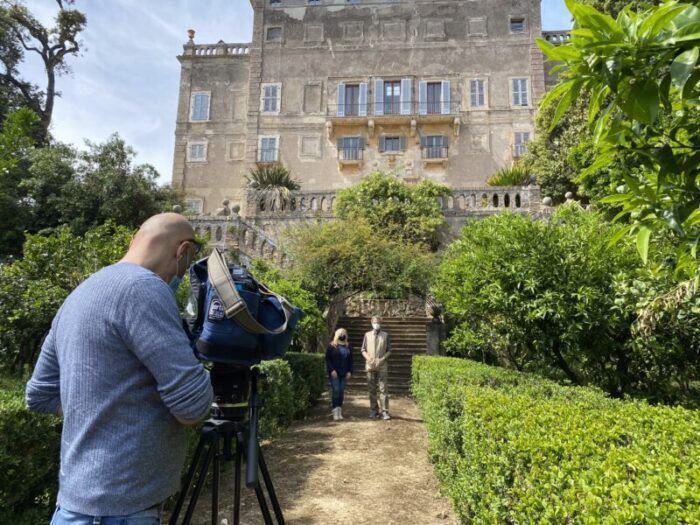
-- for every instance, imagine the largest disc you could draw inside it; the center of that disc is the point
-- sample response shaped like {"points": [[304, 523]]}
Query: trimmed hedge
{"points": [[515, 448], [29, 457], [30, 443]]}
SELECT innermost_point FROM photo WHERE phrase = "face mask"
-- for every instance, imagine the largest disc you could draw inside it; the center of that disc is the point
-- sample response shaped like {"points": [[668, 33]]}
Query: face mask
{"points": [[376, 326], [175, 283], [342, 338]]}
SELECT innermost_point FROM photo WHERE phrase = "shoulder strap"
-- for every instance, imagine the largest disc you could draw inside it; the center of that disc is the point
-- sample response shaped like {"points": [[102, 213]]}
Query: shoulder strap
{"points": [[235, 307]]}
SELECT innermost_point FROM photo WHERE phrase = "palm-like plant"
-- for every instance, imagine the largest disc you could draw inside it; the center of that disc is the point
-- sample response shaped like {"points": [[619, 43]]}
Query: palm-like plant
{"points": [[512, 176], [272, 186]]}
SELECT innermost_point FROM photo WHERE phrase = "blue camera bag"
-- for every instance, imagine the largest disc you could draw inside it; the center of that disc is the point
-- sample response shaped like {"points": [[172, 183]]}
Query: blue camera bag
{"points": [[239, 321]]}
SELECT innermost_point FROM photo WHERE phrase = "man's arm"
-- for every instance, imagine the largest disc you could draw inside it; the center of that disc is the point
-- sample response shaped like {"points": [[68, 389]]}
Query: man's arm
{"points": [[152, 330], [43, 391], [363, 350]]}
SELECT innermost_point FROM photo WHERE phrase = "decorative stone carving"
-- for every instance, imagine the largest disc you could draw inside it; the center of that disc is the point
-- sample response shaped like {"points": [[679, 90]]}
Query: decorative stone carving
{"points": [[224, 211]]}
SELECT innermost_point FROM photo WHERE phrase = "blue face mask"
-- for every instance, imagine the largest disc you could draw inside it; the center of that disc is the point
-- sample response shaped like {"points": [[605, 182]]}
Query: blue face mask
{"points": [[175, 283]]}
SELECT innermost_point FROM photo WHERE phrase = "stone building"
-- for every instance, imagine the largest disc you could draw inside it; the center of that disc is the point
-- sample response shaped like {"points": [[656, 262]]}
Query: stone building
{"points": [[444, 90]]}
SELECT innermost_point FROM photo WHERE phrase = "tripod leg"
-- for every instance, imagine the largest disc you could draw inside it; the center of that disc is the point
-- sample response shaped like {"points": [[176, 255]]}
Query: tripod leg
{"points": [[201, 478], [237, 481], [263, 504], [215, 484], [188, 481], [270, 488]]}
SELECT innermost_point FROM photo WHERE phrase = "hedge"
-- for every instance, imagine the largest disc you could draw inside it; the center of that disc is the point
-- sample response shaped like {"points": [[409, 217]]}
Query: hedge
{"points": [[29, 455], [30, 443], [516, 448]]}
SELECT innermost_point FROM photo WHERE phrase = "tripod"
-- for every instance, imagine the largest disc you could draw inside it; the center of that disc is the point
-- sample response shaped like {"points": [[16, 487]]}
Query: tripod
{"points": [[210, 451]]}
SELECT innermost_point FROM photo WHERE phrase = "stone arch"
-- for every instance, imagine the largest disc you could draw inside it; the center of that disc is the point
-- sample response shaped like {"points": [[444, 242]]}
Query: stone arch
{"points": [[218, 234], [450, 202], [494, 200], [322, 204], [314, 204], [484, 201], [302, 204], [506, 200], [518, 202]]}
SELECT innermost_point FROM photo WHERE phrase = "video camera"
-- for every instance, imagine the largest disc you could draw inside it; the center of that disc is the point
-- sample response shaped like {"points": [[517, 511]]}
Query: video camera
{"points": [[239, 322]]}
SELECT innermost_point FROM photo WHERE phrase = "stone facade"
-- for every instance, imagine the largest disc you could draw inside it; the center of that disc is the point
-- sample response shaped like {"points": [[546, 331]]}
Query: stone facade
{"points": [[444, 90]]}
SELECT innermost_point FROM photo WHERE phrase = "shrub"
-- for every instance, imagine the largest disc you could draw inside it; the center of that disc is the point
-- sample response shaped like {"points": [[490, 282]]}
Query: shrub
{"points": [[29, 458], [513, 176], [514, 448], [309, 372]]}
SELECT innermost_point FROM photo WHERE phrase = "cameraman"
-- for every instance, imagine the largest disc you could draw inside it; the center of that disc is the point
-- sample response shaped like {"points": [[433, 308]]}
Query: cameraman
{"points": [[118, 366]]}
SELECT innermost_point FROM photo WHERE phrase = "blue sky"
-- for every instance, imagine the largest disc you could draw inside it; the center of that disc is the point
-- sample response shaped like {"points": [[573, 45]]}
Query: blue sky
{"points": [[126, 79]]}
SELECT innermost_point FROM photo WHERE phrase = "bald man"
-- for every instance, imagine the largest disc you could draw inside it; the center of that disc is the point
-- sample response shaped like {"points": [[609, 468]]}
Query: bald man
{"points": [[118, 366]]}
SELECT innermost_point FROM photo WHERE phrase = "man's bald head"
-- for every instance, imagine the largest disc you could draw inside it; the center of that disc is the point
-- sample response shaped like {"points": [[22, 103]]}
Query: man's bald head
{"points": [[161, 244]]}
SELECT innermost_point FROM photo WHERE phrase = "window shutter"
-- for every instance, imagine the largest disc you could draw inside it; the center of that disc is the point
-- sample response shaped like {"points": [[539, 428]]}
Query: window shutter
{"points": [[362, 112], [445, 141], [278, 97], [445, 97], [340, 99], [402, 143], [406, 98], [382, 143], [424, 142], [523, 91], [263, 89], [423, 97], [378, 96], [339, 143], [361, 142]]}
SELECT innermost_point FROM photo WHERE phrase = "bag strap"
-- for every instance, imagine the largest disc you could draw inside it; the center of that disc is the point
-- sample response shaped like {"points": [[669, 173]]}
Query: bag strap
{"points": [[234, 306]]}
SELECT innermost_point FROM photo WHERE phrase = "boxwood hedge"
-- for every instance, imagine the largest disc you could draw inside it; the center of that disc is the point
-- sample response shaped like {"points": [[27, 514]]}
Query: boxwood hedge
{"points": [[516, 448]]}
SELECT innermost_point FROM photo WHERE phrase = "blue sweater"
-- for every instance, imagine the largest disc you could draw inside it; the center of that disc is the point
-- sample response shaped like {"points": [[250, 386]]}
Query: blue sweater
{"points": [[339, 359], [119, 365]]}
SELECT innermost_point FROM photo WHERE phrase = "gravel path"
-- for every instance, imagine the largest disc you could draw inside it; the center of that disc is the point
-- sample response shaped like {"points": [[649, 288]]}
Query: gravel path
{"points": [[355, 471]]}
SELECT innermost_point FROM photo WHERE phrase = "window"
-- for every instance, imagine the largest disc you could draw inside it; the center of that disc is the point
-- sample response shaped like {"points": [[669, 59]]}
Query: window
{"points": [[392, 97], [196, 152], [350, 148], [517, 24], [434, 147], [392, 143], [434, 91], [267, 149], [275, 2], [274, 34], [520, 143], [314, 2], [270, 98], [477, 96], [434, 97], [520, 95], [193, 206], [199, 106], [352, 99]]}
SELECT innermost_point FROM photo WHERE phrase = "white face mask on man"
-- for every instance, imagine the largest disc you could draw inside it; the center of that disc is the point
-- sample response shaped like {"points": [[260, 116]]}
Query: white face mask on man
{"points": [[376, 326]]}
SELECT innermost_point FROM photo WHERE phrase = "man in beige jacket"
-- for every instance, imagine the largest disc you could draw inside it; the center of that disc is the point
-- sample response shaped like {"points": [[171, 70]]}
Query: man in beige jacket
{"points": [[376, 348]]}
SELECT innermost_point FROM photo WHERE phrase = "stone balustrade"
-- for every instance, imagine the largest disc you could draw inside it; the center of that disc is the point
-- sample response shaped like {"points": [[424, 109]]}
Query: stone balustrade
{"points": [[556, 37], [462, 202], [216, 50]]}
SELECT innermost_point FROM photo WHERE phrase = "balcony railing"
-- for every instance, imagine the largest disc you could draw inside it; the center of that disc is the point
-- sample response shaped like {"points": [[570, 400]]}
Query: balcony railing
{"points": [[350, 154], [266, 155], [434, 152], [405, 108]]}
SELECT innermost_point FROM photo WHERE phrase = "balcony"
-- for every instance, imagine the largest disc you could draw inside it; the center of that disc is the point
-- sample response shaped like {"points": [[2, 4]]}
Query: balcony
{"points": [[267, 156], [350, 156], [435, 155]]}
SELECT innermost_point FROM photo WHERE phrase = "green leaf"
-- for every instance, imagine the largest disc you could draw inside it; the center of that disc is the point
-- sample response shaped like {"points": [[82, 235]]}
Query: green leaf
{"points": [[641, 100], [659, 20], [643, 234], [682, 67], [564, 103], [596, 100]]}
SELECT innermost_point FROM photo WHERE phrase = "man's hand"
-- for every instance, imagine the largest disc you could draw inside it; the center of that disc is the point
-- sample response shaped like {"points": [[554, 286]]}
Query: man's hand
{"points": [[348, 375], [334, 374]]}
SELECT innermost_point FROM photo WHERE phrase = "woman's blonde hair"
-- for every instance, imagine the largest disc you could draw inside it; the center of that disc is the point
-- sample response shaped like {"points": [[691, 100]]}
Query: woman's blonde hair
{"points": [[336, 338]]}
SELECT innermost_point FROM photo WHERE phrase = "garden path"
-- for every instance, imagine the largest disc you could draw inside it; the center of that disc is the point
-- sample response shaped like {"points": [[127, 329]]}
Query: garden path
{"points": [[355, 471]]}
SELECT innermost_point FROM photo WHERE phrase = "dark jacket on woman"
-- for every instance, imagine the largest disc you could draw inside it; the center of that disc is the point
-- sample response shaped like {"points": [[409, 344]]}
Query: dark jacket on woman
{"points": [[339, 359]]}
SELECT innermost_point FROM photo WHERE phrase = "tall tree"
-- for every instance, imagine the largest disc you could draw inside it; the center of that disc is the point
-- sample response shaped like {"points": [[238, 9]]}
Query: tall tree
{"points": [[22, 33]]}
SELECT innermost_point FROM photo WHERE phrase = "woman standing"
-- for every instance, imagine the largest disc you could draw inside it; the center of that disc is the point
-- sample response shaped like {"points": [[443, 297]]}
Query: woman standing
{"points": [[339, 367]]}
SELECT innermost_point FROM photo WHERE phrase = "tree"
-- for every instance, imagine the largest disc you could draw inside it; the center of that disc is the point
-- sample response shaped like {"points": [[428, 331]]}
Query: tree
{"points": [[342, 257], [34, 287], [90, 188], [272, 186], [540, 296], [21, 32], [641, 71], [409, 213], [17, 143]]}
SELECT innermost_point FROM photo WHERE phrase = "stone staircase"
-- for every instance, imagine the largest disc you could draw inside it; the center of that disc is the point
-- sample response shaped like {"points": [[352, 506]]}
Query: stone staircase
{"points": [[408, 338]]}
